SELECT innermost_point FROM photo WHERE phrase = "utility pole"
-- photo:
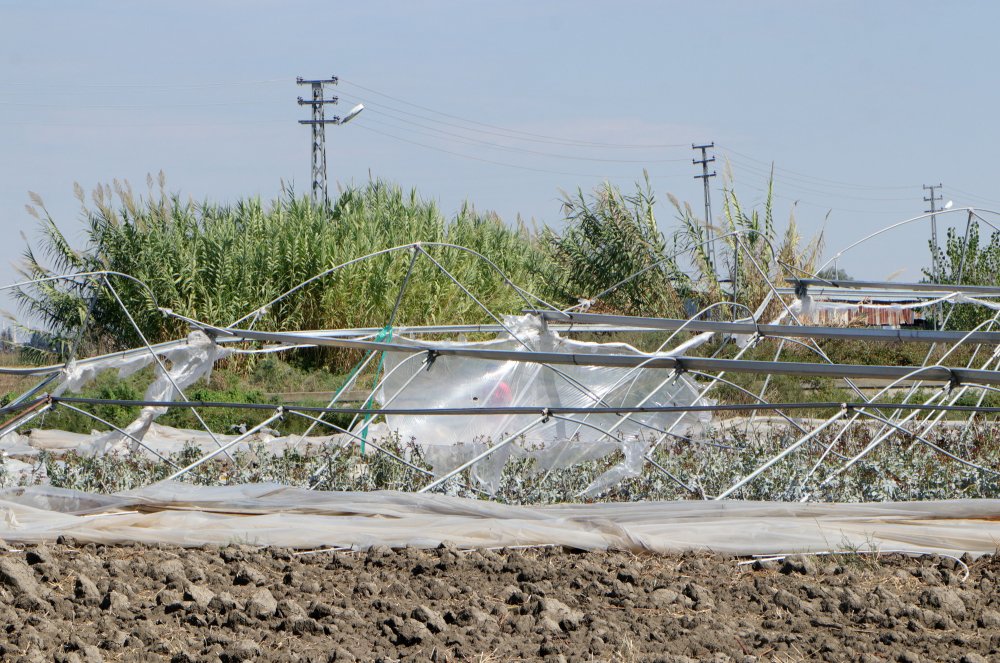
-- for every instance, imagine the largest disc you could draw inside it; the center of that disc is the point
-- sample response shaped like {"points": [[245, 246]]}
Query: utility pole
{"points": [[933, 199], [704, 161], [318, 123]]}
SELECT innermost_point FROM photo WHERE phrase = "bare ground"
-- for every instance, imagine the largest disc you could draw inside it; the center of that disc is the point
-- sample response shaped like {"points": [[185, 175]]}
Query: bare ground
{"points": [[92, 603]]}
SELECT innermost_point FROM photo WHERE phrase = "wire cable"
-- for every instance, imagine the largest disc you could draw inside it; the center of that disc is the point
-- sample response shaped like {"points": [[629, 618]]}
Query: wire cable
{"points": [[511, 148], [491, 161], [541, 137]]}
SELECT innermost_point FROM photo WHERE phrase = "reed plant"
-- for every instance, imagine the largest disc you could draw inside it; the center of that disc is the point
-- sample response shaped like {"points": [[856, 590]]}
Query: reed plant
{"points": [[220, 263], [609, 237], [217, 263], [751, 254]]}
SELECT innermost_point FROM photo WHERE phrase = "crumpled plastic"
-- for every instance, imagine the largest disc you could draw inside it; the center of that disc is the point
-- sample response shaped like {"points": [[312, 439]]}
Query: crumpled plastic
{"points": [[183, 514], [185, 364], [462, 382]]}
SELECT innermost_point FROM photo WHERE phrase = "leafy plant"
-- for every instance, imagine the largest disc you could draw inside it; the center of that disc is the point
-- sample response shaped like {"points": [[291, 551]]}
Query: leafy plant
{"points": [[968, 260], [218, 263], [610, 237], [751, 257]]}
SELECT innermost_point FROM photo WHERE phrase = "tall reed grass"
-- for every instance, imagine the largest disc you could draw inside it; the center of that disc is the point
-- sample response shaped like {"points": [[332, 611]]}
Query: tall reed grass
{"points": [[218, 263]]}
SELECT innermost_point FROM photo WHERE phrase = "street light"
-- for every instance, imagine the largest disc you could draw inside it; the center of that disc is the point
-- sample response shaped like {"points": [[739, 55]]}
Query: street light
{"points": [[319, 122], [353, 114]]}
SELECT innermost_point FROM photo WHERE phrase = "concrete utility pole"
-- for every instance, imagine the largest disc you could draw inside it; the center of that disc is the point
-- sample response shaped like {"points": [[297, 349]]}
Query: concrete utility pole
{"points": [[704, 161], [935, 267], [318, 123], [933, 199]]}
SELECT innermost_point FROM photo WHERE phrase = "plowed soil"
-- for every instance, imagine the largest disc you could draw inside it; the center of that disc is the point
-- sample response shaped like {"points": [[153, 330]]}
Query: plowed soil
{"points": [[91, 603]]}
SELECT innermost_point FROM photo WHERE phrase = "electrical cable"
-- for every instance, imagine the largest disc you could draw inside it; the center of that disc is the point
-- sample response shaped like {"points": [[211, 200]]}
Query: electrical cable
{"points": [[476, 141], [541, 137], [833, 194], [64, 85], [818, 179], [491, 161]]}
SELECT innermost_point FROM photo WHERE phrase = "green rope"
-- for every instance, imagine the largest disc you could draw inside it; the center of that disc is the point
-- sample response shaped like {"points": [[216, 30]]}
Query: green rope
{"points": [[383, 336]]}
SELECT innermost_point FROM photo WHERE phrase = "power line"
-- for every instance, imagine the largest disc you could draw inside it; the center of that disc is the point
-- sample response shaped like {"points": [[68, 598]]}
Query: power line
{"points": [[389, 110], [968, 194], [29, 104], [820, 179], [490, 161], [64, 85], [511, 148], [542, 137], [785, 181], [119, 125], [392, 112], [800, 201]]}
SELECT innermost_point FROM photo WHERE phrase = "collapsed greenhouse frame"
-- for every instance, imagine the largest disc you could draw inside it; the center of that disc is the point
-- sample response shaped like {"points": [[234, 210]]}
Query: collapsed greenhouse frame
{"points": [[639, 411]]}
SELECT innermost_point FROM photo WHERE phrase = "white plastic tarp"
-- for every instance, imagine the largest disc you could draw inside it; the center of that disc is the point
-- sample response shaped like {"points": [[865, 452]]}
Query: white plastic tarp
{"points": [[185, 364], [270, 514]]}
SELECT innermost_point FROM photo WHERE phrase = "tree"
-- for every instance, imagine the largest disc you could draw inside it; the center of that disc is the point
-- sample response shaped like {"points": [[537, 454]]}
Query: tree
{"points": [[966, 260]]}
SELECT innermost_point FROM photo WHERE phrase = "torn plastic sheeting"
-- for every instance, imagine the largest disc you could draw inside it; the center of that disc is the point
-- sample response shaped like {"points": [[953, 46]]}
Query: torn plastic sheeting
{"points": [[268, 514], [76, 376], [462, 382], [634, 451], [189, 363], [15, 472], [197, 348]]}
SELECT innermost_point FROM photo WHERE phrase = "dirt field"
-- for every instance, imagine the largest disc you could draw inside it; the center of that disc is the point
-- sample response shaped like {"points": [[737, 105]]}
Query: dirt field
{"points": [[92, 603]]}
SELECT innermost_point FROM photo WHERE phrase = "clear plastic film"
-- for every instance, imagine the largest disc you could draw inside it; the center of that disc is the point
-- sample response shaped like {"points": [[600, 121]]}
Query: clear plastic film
{"points": [[461, 382], [185, 364]]}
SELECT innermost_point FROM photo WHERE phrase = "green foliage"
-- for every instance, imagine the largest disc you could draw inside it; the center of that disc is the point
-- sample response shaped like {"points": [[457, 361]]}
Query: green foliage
{"points": [[221, 263], [267, 382], [897, 470], [833, 274], [609, 237], [218, 263], [967, 260]]}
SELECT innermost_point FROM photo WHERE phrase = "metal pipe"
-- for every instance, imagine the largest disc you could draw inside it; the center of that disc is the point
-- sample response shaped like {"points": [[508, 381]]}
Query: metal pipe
{"points": [[740, 327], [798, 443], [538, 409], [126, 434]]}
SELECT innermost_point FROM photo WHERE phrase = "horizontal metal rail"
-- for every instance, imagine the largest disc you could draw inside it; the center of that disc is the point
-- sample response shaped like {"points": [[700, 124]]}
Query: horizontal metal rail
{"points": [[54, 369], [800, 331], [892, 285], [931, 373], [870, 297], [540, 409], [417, 330]]}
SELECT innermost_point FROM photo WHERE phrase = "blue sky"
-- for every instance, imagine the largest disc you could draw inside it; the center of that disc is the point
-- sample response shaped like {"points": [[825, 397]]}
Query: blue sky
{"points": [[857, 104]]}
